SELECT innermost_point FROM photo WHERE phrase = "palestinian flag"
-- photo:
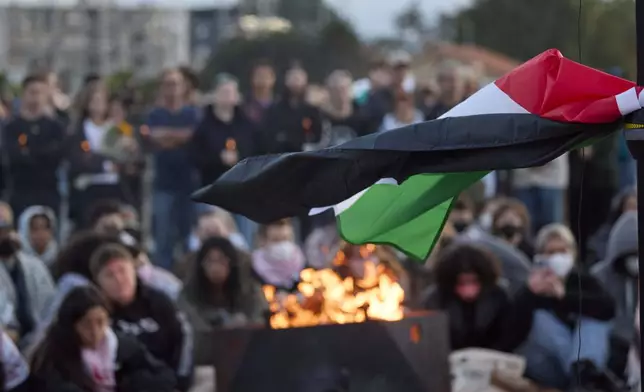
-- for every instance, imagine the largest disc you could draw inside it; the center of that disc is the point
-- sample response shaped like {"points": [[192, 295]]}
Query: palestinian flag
{"points": [[397, 187]]}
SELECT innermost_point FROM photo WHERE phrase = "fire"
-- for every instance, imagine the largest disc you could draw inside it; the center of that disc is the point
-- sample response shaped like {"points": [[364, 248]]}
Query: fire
{"points": [[324, 297]]}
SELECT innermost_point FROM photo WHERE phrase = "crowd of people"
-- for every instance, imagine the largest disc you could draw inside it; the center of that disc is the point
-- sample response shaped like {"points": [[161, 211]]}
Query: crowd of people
{"points": [[524, 264]]}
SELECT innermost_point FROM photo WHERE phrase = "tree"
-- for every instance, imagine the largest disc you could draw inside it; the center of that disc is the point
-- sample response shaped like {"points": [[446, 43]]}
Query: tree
{"points": [[411, 21], [336, 46], [523, 28]]}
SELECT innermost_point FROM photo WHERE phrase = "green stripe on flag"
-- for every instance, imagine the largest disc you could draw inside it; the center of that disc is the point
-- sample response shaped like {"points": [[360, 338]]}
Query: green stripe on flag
{"points": [[409, 216]]}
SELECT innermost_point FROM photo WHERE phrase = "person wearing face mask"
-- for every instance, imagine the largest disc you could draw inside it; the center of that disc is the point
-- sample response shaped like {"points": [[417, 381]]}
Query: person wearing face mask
{"points": [[24, 281], [143, 312], [511, 223], [479, 309], [462, 214], [278, 261], [558, 308], [619, 274]]}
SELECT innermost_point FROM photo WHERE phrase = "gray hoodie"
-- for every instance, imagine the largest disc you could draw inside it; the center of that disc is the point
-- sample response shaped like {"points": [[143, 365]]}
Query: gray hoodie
{"points": [[51, 251], [622, 241]]}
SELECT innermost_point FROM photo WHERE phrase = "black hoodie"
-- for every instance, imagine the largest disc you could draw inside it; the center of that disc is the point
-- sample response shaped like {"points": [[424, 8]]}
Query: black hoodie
{"points": [[153, 319], [210, 139], [34, 150]]}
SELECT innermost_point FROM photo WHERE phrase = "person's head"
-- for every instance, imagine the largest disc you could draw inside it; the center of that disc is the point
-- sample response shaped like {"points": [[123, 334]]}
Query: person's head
{"points": [[41, 231], [625, 201], [263, 76], [216, 267], [173, 86], [462, 214], [450, 85], [276, 232], [226, 94], [117, 109], [74, 257], [404, 105], [91, 80], [191, 78], [487, 212], [35, 93], [470, 81], [379, 75], [113, 269], [464, 271], [106, 217], [82, 322], [9, 243], [511, 221], [400, 62], [97, 105], [339, 85], [556, 249], [296, 80]]}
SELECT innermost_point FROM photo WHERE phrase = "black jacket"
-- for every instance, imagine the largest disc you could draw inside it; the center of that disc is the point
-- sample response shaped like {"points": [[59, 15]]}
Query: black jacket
{"points": [[83, 163], [288, 126], [154, 320], [592, 301], [486, 323], [34, 150], [210, 138], [137, 371]]}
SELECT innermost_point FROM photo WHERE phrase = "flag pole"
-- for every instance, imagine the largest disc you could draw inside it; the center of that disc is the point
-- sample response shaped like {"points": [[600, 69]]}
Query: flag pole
{"points": [[634, 133]]}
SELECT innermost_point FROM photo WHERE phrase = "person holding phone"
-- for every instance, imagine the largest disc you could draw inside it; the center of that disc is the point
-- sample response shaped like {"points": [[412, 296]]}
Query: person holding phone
{"points": [[560, 307]]}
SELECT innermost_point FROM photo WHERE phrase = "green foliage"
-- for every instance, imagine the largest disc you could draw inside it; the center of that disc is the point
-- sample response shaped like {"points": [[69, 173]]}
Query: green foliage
{"points": [[336, 46], [119, 81], [523, 28]]}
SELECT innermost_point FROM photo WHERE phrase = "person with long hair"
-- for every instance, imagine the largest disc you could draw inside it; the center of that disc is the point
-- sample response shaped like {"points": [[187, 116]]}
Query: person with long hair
{"points": [[221, 291], [93, 175], [81, 353], [143, 312]]}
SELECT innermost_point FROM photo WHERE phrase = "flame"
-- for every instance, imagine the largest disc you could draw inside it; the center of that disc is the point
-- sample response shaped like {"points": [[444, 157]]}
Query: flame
{"points": [[324, 297]]}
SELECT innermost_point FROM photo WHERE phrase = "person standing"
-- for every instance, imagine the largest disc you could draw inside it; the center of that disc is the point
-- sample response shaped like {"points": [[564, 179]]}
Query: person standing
{"points": [[292, 125], [262, 92], [169, 128], [34, 146], [542, 190]]}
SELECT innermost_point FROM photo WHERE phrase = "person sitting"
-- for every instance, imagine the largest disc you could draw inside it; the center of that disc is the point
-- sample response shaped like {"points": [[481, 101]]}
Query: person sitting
{"points": [[511, 223], [14, 371], [467, 289], [82, 353], [561, 307], [37, 230], [221, 291], [142, 311], [279, 260], [25, 283]]}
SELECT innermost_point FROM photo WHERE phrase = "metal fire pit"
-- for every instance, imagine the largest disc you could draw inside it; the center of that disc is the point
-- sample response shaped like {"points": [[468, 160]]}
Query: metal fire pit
{"points": [[410, 355]]}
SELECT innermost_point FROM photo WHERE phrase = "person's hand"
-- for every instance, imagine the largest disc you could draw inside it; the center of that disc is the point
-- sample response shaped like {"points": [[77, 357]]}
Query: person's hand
{"points": [[229, 157], [537, 281], [555, 287], [128, 145]]}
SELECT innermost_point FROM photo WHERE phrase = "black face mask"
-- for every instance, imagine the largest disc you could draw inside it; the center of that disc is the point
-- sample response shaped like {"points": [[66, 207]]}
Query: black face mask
{"points": [[508, 231], [8, 247], [461, 226]]}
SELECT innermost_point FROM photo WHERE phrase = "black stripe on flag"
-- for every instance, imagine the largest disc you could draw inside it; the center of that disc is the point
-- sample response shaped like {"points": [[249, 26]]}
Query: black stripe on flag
{"points": [[272, 187]]}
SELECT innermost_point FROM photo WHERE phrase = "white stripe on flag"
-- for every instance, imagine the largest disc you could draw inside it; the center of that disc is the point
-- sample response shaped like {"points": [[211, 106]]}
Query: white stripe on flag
{"points": [[488, 100], [628, 102]]}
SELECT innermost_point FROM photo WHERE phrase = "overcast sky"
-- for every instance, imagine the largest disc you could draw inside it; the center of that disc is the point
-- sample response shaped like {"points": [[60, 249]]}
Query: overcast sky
{"points": [[375, 17], [372, 18]]}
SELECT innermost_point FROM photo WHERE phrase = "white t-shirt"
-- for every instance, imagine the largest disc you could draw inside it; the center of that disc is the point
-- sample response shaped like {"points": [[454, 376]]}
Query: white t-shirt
{"points": [[95, 134]]}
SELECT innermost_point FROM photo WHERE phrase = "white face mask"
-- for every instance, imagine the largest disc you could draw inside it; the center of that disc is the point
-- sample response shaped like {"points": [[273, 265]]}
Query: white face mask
{"points": [[485, 220], [560, 263], [632, 265]]}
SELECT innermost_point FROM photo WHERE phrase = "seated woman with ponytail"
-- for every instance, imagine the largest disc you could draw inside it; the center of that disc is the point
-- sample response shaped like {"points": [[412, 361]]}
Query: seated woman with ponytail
{"points": [[81, 353]]}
